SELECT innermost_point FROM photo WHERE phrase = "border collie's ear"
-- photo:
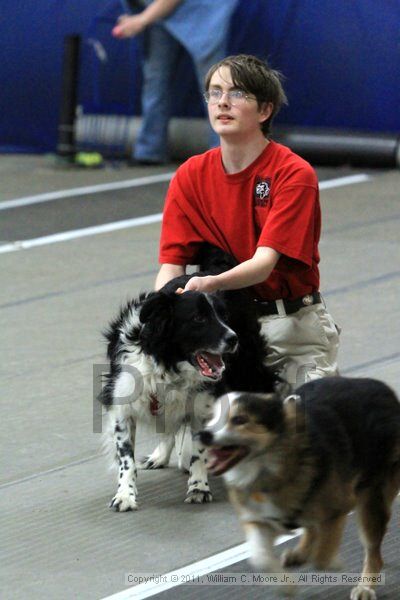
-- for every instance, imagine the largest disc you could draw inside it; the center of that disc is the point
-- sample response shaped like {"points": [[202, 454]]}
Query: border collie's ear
{"points": [[156, 316], [157, 305]]}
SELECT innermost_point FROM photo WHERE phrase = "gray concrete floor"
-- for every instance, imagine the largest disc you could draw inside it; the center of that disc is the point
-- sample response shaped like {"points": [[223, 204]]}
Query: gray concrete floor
{"points": [[59, 539]]}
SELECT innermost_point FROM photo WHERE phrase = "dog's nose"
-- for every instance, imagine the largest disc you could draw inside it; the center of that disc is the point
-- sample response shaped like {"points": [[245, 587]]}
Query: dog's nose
{"points": [[205, 437], [231, 340]]}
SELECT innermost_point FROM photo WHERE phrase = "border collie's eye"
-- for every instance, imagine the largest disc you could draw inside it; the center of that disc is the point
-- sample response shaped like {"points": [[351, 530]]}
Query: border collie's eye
{"points": [[239, 420], [199, 319]]}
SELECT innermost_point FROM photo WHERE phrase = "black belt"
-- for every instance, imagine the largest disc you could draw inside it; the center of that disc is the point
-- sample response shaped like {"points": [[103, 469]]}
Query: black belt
{"points": [[290, 306]]}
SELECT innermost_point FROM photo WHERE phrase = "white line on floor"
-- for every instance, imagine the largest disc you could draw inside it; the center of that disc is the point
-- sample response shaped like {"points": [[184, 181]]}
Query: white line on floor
{"points": [[84, 191], [341, 181], [139, 221], [66, 236], [49, 471], [197, 569]]}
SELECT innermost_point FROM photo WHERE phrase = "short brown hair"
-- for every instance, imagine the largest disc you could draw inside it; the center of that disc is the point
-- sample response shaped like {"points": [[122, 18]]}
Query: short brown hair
{"points": [[254, 76]]}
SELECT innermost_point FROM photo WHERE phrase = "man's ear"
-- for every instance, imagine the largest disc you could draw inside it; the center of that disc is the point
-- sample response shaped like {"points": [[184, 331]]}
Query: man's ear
{"points": [[266, 111]]}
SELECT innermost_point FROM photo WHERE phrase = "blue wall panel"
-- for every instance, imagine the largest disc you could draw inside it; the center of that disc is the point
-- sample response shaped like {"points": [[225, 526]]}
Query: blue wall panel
{"points": [[341, 59], [31, 46]]}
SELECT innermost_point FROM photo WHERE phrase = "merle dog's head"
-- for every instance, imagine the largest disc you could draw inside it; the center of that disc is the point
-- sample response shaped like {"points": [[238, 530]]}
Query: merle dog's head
{"points": [[244, 426], [188, 327]]}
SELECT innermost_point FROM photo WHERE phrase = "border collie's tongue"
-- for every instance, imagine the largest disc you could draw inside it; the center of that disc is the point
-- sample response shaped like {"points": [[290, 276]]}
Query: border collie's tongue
{"points": [[211, 365]]}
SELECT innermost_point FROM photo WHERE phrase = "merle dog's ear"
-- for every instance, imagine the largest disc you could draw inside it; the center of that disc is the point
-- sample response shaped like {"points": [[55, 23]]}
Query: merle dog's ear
{"points": [[157, 306], [266, 408], [272, 415], [294, 411]]}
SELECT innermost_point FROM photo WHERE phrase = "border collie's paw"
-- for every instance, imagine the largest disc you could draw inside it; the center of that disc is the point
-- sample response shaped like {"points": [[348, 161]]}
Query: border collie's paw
{"points": [[148, 462], [362, 592], [123, 502], [197, 496]]}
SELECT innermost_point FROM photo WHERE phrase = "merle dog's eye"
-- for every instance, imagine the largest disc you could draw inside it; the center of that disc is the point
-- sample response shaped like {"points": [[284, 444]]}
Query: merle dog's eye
{"points": [[239, 420]]}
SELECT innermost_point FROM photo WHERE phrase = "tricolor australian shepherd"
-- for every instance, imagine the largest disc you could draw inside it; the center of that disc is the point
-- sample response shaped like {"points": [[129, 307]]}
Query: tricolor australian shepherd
{"points": [[171, 355], [306, 461]]}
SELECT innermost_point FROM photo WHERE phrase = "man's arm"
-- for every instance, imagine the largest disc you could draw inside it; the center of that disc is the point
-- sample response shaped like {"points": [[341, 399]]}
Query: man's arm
{"points": [[250, 272], [168, 272], [131, 25]]}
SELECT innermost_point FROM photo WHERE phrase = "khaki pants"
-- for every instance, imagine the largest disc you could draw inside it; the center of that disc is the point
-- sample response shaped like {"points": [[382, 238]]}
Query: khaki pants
{"points": [[302, 346]]}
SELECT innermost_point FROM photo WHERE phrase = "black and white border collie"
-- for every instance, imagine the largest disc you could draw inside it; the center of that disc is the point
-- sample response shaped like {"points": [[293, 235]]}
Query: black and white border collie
{"points": [[171, 355], [164, 348]]}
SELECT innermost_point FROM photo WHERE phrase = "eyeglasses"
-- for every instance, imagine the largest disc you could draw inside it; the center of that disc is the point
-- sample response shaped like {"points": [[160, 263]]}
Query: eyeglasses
{"points": [[235, 97]]}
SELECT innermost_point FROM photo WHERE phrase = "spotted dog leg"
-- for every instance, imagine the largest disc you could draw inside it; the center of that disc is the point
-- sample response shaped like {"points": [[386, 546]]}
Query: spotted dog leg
{"points": [[124, 438], [198, 488]]}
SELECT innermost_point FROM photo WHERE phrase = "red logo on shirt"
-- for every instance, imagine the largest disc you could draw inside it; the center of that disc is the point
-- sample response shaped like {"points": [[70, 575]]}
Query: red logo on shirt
{"points": [[261, 192]]}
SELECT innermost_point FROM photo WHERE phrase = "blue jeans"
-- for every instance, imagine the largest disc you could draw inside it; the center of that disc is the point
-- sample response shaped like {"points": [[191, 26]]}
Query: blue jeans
{"points": [[161, 54]]}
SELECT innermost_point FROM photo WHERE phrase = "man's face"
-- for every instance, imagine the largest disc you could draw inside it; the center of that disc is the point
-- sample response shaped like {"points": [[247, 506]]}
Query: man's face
{"points": [[240, 119]]}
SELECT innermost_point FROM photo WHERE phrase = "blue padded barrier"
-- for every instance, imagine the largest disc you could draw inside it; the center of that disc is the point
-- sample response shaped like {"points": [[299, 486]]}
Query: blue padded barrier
{"points": [[341, 62]]}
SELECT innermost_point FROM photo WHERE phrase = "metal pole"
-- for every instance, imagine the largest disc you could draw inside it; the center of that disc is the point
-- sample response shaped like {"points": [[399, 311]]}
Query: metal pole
{"points": [[69, 94]]}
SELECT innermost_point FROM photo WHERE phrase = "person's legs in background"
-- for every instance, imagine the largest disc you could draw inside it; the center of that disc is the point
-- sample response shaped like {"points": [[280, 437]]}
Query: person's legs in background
{"points": [[161, 54]]}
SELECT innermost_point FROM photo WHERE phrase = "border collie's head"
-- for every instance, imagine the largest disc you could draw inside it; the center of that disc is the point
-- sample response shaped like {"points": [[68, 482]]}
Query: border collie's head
{"points": [[186, 327]]}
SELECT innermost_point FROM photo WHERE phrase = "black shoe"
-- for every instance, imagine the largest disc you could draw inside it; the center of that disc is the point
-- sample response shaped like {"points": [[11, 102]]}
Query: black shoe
{"points": [[142, 162]]}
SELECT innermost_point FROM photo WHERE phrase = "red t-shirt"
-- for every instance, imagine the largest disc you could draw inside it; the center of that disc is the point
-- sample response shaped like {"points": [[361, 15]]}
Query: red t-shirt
{"points": [[273, 202]]}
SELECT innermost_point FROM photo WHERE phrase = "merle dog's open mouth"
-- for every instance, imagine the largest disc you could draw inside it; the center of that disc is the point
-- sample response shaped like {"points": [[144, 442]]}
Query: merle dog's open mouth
{"points": [[210, 365], [222, 458]]}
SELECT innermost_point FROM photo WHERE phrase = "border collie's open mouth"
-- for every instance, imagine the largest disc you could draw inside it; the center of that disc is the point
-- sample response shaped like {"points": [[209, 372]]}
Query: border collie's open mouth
{"points": [[222, 458], [210, 365]]}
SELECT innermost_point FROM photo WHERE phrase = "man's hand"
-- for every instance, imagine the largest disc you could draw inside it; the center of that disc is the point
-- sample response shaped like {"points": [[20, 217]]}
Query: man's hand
{"points": [[207, 284], [129, 26]]}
